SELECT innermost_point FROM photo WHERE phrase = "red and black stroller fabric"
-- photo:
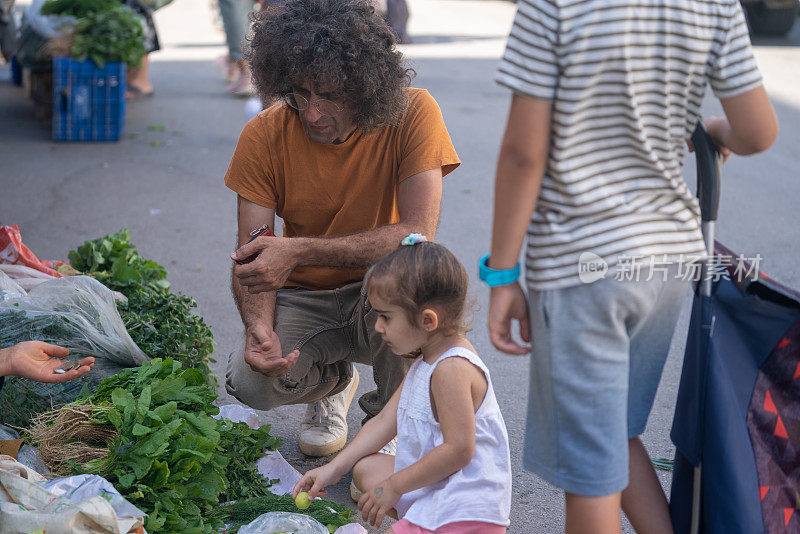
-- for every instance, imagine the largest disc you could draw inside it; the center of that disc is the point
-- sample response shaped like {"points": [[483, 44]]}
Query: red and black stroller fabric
{"points": [[738, 406]]}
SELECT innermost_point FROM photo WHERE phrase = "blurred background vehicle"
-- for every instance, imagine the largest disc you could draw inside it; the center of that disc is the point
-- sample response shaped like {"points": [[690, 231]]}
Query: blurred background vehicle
{"points": [[771, 17]]}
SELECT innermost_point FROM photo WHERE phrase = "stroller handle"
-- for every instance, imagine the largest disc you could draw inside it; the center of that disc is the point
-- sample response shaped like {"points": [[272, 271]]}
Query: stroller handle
{"points": [[709, 162]]}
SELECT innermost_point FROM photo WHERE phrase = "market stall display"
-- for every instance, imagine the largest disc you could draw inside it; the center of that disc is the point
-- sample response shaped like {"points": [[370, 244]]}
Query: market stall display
{"points": [[145, 418]]}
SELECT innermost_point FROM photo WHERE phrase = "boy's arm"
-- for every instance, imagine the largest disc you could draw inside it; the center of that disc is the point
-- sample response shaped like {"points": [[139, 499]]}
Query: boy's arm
{"points": [[750, 125], [451, 386], [520, 170]]}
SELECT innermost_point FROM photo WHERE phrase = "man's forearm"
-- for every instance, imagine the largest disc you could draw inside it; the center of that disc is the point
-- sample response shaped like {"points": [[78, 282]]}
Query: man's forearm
{"points": [[359, 250], [254, 308]]}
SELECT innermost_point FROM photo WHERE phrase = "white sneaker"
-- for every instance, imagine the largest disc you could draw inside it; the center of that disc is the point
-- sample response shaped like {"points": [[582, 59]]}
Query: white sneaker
{"points": [[324, 428], [355, 493]]}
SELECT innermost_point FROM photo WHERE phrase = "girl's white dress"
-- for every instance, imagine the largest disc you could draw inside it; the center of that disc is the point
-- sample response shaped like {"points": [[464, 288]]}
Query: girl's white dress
{"points": [[481, 491]]}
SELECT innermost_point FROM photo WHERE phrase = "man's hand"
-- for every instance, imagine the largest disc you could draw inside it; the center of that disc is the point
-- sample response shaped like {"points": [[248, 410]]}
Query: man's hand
{"points": [[269, 271], [506, 303], [36, 360], [378, 502], [262, 352]]}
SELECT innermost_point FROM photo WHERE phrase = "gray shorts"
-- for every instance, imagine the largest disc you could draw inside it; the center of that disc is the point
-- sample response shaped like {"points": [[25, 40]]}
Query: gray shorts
{"points": [[331, 329], [597, 357]]}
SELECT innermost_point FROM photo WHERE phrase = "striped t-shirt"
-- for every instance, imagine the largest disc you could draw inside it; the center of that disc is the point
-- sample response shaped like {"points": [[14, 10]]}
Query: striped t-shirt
{"points": [[626, 79]]}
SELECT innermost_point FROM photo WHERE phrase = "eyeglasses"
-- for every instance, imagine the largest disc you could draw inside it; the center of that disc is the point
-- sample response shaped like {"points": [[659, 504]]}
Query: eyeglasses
{"points": [[326, 108]]}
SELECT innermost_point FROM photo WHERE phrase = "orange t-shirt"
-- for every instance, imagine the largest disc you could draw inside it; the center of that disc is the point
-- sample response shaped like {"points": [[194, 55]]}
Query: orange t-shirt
{"points": [[336, 189]]}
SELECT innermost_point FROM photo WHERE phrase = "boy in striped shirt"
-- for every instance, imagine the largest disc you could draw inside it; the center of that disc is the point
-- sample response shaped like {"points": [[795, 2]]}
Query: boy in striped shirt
{"points": [[606, 94]]}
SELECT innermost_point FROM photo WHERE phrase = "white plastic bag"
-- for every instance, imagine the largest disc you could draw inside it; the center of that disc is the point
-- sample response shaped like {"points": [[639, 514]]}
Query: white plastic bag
{"points": [[238, 414], [287, 522], [26, 277], [81, 487], [26, 506]]}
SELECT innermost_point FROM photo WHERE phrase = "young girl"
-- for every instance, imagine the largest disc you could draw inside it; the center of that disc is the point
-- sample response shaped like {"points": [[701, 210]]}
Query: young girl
{"points": [[452, 471]]}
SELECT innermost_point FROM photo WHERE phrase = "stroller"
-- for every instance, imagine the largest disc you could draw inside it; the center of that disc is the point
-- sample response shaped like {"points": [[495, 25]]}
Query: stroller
{"points": [[737, 417]]}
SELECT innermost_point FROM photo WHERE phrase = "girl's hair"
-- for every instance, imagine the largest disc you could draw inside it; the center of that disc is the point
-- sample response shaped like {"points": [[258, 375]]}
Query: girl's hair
{"points": [[419, 276]]}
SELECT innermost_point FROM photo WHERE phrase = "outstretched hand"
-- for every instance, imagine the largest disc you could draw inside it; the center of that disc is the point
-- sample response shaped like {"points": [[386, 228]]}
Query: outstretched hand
{"points": [[316, 480], [37, 360], [508, 303], [263, 352]]}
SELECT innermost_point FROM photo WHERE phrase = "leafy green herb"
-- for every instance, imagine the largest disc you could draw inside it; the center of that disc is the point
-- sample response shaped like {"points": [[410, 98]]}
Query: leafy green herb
{"points": [[113, 35], [113, 260], [171, 458], [163, 325], [244, 446], [77, 8], [244, 511]]}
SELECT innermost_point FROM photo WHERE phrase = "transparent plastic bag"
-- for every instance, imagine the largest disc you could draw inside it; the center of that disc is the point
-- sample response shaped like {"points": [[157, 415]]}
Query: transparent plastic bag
{"points": [[36, 31], [9, 288], [78, 313], [287, 522]]}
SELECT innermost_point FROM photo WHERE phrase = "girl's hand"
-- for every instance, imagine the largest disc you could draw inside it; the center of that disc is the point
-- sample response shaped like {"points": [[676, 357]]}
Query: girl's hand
{"points": [[505, 304], [315, 481], [375, 504]]}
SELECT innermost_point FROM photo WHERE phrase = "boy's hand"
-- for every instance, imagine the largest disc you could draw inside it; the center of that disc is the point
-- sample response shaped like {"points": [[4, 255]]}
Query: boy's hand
{"points": [[505, 304], [315, 481], [375, 504]]}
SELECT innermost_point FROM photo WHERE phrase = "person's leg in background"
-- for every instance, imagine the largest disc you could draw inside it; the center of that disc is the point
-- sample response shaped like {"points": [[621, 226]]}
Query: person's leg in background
{"points": [[138, 78], [236, 22]]}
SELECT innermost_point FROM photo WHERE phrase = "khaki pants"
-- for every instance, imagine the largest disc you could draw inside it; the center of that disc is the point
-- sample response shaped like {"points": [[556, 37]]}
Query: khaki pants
{"points": [[330, 328]]}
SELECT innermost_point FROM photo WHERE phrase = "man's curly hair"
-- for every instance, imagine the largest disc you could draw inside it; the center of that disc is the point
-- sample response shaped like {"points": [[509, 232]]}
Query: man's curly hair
{"points": [[339, 46]]}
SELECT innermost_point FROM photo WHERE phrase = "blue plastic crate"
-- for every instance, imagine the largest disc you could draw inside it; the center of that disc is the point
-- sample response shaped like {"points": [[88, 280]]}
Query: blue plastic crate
{"points": [[88, 102]]}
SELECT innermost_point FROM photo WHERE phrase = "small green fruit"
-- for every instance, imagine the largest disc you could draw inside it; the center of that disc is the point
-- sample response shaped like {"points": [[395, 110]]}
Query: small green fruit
{"points": [[302, 501]]}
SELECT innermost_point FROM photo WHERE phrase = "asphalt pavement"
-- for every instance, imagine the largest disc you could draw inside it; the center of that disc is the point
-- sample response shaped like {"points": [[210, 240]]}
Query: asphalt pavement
{"points": [[163, 181]]}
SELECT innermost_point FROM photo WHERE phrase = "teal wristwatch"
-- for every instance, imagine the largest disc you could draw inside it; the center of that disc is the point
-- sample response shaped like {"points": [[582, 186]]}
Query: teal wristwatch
{"points": [[495, 277]]}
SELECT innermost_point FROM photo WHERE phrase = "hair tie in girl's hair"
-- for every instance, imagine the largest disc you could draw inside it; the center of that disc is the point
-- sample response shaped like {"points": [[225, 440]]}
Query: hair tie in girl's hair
{"points": [[413, 239]]}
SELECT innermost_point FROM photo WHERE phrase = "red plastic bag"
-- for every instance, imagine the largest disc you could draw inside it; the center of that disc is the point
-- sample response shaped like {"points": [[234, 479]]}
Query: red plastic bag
{"points": [[13, 251]]}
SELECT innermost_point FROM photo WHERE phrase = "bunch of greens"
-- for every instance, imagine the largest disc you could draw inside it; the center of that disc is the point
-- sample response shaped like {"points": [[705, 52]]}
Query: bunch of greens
{"points": [[77, 8], [114, 35], [170, 456], [163, 325], [113, 260], [244, 446], [242, 512]]}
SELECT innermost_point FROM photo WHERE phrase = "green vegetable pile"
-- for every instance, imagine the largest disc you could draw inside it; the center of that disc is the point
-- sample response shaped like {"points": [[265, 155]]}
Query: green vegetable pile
{"points": [[113, 260], [236, 515], [161, 323], [77, 8], [105, 31], [169, 456]]}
